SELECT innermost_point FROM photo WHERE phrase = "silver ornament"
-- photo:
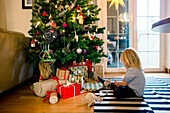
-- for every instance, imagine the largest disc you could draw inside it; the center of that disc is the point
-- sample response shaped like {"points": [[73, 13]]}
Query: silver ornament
{"points": [[79, 50]]}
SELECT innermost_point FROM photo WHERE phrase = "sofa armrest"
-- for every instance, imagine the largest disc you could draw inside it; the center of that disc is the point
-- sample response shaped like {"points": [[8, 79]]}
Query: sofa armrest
{"points": [[13, 69]]}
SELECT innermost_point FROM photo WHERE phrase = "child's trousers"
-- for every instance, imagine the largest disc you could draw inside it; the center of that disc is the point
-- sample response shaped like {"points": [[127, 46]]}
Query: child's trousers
{"points": [[121, 91]]}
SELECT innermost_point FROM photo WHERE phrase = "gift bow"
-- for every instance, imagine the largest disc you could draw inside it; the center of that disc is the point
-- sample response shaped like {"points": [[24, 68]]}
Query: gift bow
{"points": [[48, 94], [117, 86], [68, 84], [56, 78]]}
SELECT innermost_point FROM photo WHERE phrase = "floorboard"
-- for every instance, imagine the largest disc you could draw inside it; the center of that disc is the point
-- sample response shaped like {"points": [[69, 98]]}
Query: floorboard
{"points": [[22, 100]]}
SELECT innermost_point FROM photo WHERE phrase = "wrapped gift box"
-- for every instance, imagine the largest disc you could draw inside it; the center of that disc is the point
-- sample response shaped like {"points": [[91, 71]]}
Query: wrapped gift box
{"points": [[67, 91], [63, 73], [79, 71], [99, 70], [93, 86], [86, 63], [40, 88], [77, 79]]}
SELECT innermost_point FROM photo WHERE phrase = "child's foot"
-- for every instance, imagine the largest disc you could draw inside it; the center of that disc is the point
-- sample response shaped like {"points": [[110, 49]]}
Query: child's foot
{"points": [[107, 83]]}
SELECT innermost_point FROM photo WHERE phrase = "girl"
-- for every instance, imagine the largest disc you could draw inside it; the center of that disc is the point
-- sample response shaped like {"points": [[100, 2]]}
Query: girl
{"points": [[133, 83]]}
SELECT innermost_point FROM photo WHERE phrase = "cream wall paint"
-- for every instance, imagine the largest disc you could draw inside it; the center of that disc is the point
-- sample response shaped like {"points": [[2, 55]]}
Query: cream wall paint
{"points": [[18, 19]]}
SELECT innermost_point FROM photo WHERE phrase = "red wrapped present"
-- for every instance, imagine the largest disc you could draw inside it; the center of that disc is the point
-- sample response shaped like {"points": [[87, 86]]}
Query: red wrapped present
{"points": [[67, 91], [87, 63]]}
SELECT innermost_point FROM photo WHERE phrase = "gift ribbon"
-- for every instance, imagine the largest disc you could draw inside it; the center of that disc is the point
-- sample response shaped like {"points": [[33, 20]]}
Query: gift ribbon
{"points": [[116, 85], [41, 78], [66, 86], [48, 94], [55, 78], [65, 72]]}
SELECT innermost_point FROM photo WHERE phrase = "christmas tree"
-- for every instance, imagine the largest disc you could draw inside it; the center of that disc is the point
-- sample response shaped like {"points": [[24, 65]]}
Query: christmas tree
{"points": [[64, 31]]}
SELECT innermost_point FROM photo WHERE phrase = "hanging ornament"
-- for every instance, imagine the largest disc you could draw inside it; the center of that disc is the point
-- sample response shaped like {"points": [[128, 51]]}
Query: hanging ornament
{"points": [[30, 51], [88, 34], [88, 12], [56, 6], [84, 16], [32, 43], [64, 25], [50, 35], [96, 47], [81, 14], [91, 38], [64, 11], [81, 20], [53, 24], [37, 33], [79, 50], [65, 50], [76, 37], [84, 52], [47, 1], [44, 14], [74, 18], [66, 6], [78, 8], [98, 38], [38, 22]]}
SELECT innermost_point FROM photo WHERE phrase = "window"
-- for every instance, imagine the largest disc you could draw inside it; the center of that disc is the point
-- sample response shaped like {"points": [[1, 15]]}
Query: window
{"points": [[117, 33], [148, 42], [134, 33]]}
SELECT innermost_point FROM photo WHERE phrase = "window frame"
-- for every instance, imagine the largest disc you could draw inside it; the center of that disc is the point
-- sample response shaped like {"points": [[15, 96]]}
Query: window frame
{"points": [[132, 33]]}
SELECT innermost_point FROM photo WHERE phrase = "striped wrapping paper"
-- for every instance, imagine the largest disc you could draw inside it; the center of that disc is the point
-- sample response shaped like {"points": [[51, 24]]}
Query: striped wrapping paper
{"points": [[92, 86]]}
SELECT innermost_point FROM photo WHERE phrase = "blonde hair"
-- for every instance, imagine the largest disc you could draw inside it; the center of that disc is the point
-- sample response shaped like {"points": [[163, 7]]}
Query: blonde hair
{"points": [[130, 58]]}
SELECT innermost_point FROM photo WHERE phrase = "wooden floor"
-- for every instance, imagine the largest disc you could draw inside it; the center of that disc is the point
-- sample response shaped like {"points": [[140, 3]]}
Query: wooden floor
{"points": [[21, 100]]}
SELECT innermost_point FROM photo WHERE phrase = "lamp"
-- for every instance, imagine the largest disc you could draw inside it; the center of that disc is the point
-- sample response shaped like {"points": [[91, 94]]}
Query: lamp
{"points": [[117, 2], [123, 17]]}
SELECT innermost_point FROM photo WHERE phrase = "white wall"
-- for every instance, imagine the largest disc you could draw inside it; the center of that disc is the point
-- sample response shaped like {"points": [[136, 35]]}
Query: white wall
{"points": [[167, 38], [18, 19]]}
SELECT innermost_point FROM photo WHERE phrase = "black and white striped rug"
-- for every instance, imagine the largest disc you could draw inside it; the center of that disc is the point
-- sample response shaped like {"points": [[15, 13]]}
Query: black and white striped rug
{"points": [[156, 99]]}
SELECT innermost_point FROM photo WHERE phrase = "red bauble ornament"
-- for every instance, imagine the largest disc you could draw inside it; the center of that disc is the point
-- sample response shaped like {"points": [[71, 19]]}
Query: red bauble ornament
{"points": [[92, 37], [98, 38], [96, 47], [84, 16], [30, 51], [64, 25], [44, 13], [32, 42], [81, 14], [53, 24], [37, 33], [78, 8], [52, 30]]}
